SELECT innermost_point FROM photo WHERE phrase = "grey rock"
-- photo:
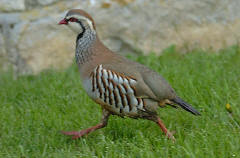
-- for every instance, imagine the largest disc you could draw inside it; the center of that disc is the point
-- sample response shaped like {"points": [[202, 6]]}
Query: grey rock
{"points": [[31, 4], [3, 55], [46, 2], [32, 41], [153, 26], [9, 19], [50, 47], [11, 5], [11, 28]]}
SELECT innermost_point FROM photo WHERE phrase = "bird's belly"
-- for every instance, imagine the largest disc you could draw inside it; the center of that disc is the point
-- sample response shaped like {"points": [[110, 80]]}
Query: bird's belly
{"points": [[120, 105]]}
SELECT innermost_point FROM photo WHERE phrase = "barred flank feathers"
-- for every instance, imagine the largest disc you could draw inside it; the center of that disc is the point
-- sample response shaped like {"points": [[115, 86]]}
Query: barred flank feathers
{"points": [[116, 89]]}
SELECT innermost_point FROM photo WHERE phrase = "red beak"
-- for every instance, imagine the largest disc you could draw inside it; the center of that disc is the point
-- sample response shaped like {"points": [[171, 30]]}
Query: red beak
{"points": [[63, 21]]}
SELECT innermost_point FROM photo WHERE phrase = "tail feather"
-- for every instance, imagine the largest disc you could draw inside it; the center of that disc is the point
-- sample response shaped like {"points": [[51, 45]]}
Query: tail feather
{"points": [[185, 106]]}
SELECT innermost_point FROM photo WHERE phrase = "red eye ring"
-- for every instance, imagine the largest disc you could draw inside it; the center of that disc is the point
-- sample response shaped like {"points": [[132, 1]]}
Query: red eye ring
{"points": [[72, 20]]}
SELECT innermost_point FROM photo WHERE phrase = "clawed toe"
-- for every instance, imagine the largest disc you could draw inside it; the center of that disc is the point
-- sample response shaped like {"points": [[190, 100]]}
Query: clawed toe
{"points": [[75, 134], [170, 136]]}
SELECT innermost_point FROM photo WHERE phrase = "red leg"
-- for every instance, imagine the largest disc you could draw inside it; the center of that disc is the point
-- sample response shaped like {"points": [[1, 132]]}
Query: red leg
{"points": [[164, 129], [78, 134]]}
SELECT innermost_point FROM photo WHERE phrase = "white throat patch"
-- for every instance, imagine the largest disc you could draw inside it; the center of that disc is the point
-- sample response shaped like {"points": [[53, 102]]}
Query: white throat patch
{"points": [[89, 22]]}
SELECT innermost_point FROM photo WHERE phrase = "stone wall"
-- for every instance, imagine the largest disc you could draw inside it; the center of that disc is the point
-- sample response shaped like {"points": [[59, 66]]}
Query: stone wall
{"points": [[31, 40]]}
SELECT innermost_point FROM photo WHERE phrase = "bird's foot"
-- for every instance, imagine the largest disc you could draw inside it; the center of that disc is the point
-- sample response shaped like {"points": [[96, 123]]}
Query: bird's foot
{"points": [[76, 134], [164, 129], [79, 134], [170, 135]]}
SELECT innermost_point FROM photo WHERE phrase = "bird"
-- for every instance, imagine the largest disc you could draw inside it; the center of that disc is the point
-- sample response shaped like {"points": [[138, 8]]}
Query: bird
{"points": [[120, 86]]}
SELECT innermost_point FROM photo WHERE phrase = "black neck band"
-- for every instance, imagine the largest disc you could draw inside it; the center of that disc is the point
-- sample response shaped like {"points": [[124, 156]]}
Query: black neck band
{"points": [[80, 35]]}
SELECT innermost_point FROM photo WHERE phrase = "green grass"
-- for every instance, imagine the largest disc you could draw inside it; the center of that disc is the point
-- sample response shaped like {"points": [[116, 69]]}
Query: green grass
{"points": [[33, 109]]}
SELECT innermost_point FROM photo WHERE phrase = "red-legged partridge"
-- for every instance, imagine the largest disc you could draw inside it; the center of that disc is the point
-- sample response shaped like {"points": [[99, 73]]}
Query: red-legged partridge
{"points": [[122, 87]]}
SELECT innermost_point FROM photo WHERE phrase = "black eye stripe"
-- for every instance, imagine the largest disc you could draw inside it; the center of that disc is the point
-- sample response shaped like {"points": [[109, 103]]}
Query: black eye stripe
{"points": [[72, 19]]}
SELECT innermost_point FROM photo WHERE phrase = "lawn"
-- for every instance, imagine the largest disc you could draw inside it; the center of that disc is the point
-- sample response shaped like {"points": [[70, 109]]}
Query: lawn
{"points": [[33, 109]]}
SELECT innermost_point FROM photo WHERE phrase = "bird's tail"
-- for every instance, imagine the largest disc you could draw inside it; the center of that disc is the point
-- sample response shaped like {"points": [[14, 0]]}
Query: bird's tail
{"points": [[185, 106]]}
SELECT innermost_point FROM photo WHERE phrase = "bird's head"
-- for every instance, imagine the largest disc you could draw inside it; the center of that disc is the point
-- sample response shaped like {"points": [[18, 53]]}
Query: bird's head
{"points": [[78, 21]]}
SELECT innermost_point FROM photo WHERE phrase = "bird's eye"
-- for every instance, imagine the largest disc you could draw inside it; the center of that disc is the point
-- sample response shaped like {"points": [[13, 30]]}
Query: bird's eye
{"points": [[72, 20]]}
